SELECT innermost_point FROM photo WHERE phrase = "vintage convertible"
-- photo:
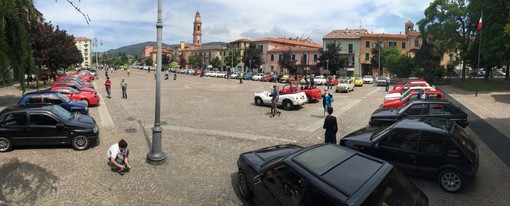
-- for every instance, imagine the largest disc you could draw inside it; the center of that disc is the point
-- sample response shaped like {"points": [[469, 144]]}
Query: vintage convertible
{"points": [[312, 94], [288, 101]]}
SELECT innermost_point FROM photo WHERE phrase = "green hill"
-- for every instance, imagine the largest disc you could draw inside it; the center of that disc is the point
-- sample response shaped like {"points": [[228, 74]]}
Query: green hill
{"points": [[136, 49]]}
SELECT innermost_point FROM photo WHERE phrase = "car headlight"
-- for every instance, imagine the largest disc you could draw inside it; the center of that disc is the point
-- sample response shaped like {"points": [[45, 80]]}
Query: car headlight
{"points": [[95, 130]]}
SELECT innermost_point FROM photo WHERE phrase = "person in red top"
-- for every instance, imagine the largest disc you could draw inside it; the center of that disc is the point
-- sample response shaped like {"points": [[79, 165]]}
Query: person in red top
{"points": [[108, 86]]}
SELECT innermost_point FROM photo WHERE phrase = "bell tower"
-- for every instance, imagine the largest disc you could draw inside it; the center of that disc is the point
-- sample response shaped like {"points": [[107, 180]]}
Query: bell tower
{"points": [[409, 26], [197, 30]]}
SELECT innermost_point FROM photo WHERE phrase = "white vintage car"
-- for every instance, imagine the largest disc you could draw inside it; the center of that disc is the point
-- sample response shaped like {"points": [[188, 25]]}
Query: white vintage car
{"points": [[257, 77], [345, 85], [319, 80], [393, 96], [288, 101]]}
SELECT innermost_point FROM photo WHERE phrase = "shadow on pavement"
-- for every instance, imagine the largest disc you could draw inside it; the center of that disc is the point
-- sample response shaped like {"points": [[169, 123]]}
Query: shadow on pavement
{"points": [[23, 183], [233, 178], [145, 135], [8, 100], [504, 98]]}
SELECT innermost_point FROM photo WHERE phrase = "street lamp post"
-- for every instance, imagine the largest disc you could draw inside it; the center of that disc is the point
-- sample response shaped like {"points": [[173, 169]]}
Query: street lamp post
{"points": [[94, 42], [155, 155], [327, 66], [250, 66]]}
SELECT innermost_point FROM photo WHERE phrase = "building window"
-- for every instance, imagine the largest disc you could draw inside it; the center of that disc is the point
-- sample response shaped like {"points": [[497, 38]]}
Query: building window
{"points": [[367, 44], [293, 57], [272, 57], [315, 57], [304, 58], [367, 56], [279, 57], [198, 28], [403, 45], [350, 49], [272, 68], [392, 44], [416, 43]]}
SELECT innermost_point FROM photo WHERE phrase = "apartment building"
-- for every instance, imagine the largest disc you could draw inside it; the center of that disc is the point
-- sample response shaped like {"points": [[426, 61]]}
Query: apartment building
{"points": [[84, 45], [349, 42]]}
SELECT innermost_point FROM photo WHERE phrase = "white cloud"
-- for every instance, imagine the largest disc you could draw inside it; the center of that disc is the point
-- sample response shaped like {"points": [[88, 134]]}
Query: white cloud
{"points": [[124, 22]]}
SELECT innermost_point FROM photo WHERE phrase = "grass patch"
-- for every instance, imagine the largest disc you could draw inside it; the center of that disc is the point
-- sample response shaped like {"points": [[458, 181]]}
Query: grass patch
{"points": [[483, 85]]}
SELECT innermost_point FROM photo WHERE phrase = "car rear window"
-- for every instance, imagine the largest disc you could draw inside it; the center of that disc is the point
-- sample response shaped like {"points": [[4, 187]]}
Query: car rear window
{"points": [[464, 140], [395, 189]]}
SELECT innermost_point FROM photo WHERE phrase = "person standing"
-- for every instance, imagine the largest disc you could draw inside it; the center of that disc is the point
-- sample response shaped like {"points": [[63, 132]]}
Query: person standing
{"points": [[327, 98], [129, 71], [387, 83], [241, 78], [123, 85], [274, 101], [331, 126], [118, 156], [108, 87]]}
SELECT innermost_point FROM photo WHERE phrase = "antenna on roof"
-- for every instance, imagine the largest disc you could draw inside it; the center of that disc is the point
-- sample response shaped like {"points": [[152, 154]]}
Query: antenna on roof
{"points": [[360, 24]]}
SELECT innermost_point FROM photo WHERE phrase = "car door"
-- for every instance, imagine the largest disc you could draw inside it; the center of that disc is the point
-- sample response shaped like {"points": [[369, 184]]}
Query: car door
{"points": [[45, 129], [15, 126], [430, 152], [399, 147], [284, 185]]}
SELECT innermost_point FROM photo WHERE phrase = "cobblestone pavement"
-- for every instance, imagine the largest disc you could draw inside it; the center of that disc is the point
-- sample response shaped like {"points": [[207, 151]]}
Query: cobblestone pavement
{"points": [[207, 123]]}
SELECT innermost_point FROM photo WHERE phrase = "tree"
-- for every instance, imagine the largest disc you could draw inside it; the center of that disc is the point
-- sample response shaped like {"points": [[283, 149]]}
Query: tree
{"points": [[174, 64], [148, 61], [287, 62], [193, 61], [215, 62], [252, 56], [166, 59], [331, 58], [182, 61], [233, 58], [391, 57], [449, 26]]}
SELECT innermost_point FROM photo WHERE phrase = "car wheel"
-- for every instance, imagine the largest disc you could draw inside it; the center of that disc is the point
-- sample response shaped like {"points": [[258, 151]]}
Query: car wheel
{"points": [[5, 144], [309, 98], [258, 101], [451, 180], [85, 101], [80, 142], [242, 185], [287, 104]]}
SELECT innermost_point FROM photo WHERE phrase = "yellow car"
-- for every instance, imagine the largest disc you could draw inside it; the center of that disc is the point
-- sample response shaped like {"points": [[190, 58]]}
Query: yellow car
{"points": [[285, 78], [358, 81]]}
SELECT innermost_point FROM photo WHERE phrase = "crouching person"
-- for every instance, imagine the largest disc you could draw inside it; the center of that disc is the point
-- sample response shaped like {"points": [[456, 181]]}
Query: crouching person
{"points": [[118, 156]]}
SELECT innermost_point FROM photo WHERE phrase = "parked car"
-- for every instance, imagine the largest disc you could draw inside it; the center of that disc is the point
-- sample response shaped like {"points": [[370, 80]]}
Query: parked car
{"points": [[293, 79], [345, 85], [358, 81], [409, 85], [257, 76], [324, 174], [48, 98], [392, 96], [75, 85], [247, 76], [319, 80], [276, 77], [288, 101], [410, 79], [381, 81], [46, 125], [368, 79], [413, 95], [333, 79], [76, 79], [433, 147], [312, 94], [89, 98], [420, 108], [284, 78]]}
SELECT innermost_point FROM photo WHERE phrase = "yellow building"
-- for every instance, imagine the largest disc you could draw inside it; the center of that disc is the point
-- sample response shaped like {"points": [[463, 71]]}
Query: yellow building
{"points": [[85, 46]]}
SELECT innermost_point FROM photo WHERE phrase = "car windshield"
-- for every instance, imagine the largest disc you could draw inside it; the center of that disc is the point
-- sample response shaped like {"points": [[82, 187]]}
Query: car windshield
{"points": [[405, 95], [73, 90], [395, 189], [404, 107], [381, 78], [367, 76], [381, 133], [64, 98], [463, 139], [62, 113], [345, 81]]}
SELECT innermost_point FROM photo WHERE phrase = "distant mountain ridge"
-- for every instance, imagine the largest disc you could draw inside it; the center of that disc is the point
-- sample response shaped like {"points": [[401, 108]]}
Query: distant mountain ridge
{"points": [[136, 49]]}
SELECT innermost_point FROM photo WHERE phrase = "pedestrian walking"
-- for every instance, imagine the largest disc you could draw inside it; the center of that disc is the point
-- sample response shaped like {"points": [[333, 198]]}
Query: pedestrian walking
{"points": [[241, 78], [327, 98], [387, 83], [123, 85], [108, 87], [274, 101], [175, 76], [118, 156], [331, 126], [329, 83], [129, 71]]}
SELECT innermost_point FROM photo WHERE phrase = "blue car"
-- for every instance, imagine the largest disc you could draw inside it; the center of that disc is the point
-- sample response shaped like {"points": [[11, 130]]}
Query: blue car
{"points": [[46, 98]]}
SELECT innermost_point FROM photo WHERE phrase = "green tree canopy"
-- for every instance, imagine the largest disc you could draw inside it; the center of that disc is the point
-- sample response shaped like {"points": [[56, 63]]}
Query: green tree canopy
{"points": [[331, 59], [252, 56], [287, 62], [215, 62], [233, 58]]}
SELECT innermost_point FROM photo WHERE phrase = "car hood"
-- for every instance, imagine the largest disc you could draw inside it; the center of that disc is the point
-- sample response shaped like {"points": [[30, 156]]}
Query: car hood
{"points": [[360, 137], [394, 103], [259, 157], [76, 104], [385, 113], [80, 120]]}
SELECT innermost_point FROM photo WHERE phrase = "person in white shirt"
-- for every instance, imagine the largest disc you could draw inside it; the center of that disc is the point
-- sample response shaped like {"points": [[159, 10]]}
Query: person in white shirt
{"points": [[118, 155]]}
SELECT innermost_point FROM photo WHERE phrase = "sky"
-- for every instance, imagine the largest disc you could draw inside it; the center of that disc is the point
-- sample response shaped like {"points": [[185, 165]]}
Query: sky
{"points": [[118, 23]]}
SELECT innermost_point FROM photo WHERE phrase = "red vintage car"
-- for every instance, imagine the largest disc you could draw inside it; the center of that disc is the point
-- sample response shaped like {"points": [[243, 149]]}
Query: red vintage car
{"points": [[266, 78], [87, 97], [313, 94], [408, 85], [83, 78], [334, 80], [292, 79], [410, 79], [429, 94]]}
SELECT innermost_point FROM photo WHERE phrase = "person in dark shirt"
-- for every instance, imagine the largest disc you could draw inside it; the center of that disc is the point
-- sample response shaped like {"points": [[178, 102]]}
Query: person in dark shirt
{"points": [[331, 126]]}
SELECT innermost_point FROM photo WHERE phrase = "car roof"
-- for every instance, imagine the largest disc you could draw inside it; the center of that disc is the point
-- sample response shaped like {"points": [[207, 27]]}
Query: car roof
{"points": [[426, 123], [341, 168], [28, 107], [40, 92]]}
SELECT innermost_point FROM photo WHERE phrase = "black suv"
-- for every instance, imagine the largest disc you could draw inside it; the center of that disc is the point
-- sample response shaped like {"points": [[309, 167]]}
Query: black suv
{"points": [[324, 174], [46, 125], [432, 147], [420, 108]]}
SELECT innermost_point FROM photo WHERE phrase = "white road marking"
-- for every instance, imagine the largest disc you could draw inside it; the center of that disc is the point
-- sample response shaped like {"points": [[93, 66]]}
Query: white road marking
{"points": [[373, 92], [318, 124], [234, 135], [104, 115]]}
